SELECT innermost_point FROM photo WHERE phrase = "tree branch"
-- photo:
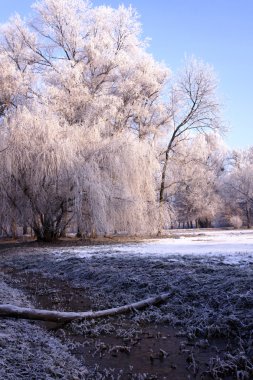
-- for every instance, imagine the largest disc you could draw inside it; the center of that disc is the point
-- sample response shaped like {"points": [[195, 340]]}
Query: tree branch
{"points": [[7, 310]]}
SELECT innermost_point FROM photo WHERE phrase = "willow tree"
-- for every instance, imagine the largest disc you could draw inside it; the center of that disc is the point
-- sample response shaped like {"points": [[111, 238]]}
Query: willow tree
{"points": [[82, 119], [38, 171]]}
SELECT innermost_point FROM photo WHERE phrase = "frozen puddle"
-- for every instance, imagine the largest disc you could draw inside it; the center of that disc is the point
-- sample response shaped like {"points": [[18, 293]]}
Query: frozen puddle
{"points": [[230, 247]]}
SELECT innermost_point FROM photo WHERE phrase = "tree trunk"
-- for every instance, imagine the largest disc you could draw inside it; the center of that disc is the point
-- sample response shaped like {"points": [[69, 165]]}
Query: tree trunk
{"points": [[248, 217], [46, 236], [64, 316], [161, 193], [46, 232], [25, 229], [14, 232]]}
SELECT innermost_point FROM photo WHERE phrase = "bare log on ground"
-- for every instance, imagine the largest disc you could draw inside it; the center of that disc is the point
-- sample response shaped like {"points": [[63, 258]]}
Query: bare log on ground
{"points": [[68, 316]]}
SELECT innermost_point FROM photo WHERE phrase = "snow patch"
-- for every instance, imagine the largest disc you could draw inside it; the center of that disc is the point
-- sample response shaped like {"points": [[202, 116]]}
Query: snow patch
{"points": [[229, 247]]}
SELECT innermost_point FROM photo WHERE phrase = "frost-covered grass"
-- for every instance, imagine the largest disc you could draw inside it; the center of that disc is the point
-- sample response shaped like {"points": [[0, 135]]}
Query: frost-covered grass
{"points": [[210, 278], [29, 352]]}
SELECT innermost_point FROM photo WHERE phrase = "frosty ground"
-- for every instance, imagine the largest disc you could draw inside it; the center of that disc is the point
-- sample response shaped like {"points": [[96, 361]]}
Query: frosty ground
{"points": [[203, 331]]}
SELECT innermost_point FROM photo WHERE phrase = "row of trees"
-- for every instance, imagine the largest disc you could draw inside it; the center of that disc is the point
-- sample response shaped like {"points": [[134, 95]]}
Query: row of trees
{"points": [[98, 136], [210, 185]]}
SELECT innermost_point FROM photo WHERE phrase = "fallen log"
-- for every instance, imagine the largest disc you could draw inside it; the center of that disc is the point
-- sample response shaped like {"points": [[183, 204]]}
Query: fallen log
{"points": [[12, 311]]}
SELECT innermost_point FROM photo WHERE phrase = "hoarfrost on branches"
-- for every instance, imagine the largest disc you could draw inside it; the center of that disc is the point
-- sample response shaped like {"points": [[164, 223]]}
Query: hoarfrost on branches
{"points": [[83, 116]]}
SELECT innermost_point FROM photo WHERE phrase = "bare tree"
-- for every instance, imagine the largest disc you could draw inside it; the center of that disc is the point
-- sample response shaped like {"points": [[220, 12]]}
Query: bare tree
{"points": [[193, 107]]}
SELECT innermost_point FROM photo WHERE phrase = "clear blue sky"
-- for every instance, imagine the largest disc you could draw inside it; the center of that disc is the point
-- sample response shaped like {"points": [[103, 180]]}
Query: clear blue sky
{"points": [[218, 31]]}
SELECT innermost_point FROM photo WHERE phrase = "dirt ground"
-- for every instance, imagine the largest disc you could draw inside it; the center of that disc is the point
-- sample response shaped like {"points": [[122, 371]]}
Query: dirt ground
{"points": [[203, 332]]}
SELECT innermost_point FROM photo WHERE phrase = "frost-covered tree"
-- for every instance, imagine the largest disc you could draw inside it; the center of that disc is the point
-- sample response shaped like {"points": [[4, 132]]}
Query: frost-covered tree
{"points": [[38, 171], [193, 181], [238, 186], [122, 198], [86, 104], [192, 108], [87, 129]]}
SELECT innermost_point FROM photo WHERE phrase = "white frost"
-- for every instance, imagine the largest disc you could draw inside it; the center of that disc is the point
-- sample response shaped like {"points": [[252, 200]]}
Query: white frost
{"points": [[231, 247]]}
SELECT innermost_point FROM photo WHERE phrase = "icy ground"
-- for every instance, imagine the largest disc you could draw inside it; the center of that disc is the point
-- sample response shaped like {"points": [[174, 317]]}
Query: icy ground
{"points": [[227, 246], [209, 275]]}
